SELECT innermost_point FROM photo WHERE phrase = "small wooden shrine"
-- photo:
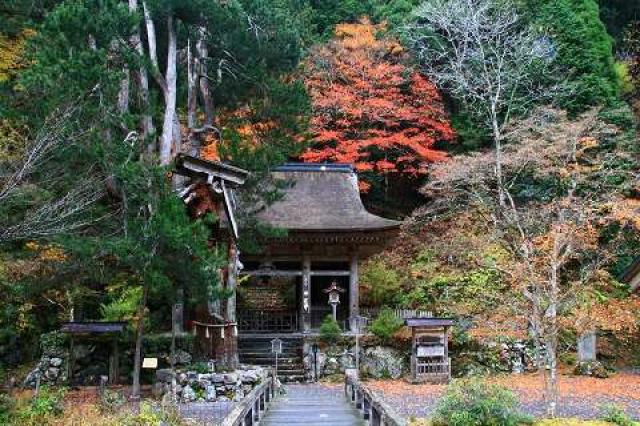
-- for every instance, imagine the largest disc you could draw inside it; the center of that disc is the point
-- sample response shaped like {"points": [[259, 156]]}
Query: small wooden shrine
{"points": [[95, 332], [430, 360], [328, 232]]}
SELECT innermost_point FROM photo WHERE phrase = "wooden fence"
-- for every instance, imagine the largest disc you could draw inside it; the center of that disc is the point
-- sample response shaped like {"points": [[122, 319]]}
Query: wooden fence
{"points": [[399, 313]]}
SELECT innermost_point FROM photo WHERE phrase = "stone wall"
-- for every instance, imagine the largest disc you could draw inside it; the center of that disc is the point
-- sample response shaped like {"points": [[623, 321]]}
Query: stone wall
{"points": [[52, 367], [378, 362], [194, 386]]}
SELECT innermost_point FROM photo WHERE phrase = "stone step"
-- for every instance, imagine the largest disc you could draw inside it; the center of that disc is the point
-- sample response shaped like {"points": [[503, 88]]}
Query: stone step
{"points": [[268, 361], [266, 354], [257, 351]]}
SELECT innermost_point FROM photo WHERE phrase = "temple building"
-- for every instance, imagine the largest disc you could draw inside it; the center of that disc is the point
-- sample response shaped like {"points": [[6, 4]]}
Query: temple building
{"points": [[328, 233], [324, 232]]}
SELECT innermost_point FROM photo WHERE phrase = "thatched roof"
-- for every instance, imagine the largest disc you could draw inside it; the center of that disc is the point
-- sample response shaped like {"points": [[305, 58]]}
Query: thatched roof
{"points": [[321, 198]]}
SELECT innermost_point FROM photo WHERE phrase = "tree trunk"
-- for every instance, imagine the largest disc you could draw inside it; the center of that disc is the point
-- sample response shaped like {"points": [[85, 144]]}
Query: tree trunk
{"points": [[148, 130], [167, 141], [551, 334], [192, 102], [137, 363], [123, 93], [201, 72], [497, 140]]}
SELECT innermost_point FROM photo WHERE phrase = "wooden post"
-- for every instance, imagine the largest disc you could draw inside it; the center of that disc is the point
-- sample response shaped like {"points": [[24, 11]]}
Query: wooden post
{"points": [[305, 299], [231, 354], [114, 360], [71, 360], [354, 291]]}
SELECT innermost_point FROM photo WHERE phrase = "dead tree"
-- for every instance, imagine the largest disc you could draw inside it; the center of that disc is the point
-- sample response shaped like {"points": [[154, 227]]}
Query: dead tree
{"points": [[480, 52]]}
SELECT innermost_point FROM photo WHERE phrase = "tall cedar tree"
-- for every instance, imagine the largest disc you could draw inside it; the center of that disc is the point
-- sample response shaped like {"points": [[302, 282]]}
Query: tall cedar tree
{"points": [[583, 49], [370, 109]]}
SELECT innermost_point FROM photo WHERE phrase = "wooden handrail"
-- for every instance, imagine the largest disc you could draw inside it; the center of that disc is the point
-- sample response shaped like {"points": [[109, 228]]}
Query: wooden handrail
{"points": [[251, 409], [372, 406]]}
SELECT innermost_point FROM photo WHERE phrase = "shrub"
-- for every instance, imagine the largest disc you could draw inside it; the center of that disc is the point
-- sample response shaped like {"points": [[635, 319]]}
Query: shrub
{"points": [[6, 407], [111, 401], [53, 342], [151, 415], [43, 408], [473, 402], [380, 281], [591, 368], [330, 331], [571, 422], [157, 344], [616, 415], [385, 325]]}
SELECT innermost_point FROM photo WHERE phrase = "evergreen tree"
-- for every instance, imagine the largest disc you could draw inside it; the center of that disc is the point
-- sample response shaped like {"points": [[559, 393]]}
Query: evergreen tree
{"points": [[583, 49]]}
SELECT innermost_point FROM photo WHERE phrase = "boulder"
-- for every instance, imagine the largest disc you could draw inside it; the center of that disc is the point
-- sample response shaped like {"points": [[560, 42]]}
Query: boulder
{"points": [[188, 394], [230, 378], [183, 379], [55, 362], [182, 357], [382, 362], [210, 393], [164, 375], [82, 351], [52, 374], [249, 376], [332, 366]]}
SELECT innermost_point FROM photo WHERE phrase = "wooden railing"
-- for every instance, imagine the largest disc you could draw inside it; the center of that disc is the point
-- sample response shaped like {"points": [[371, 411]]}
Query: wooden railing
{"points": [[434, 367], [433, 370], [370, 404], [260, 321], [252, 408]]}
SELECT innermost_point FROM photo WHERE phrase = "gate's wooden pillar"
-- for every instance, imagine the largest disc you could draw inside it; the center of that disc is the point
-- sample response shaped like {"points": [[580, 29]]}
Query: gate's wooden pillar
{"points": [[230, 344], [354, 291]]}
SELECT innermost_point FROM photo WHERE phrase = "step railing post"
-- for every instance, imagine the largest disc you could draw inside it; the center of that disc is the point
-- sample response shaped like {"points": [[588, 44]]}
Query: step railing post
{"points": [[366, 408]]}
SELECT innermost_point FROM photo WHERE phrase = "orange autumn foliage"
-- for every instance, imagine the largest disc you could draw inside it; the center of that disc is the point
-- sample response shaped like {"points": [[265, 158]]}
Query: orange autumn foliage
{"points": [[369, 108]]}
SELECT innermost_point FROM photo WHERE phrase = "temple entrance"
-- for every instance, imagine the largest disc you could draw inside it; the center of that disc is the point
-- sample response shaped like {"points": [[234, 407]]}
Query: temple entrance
{"points": [[320, 307]]}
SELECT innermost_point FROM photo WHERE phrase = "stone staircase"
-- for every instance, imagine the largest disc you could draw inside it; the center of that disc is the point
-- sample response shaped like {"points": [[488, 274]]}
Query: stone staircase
{"points": [[256, 350]]}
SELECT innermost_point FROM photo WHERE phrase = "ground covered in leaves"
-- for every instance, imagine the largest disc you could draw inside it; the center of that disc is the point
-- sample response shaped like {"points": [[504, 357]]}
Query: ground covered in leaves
{"points": [[580, 397]]}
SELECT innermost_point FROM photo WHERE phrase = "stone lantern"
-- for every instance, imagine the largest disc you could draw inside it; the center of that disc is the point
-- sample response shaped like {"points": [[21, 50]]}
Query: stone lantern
{"points": [[334, 297]]}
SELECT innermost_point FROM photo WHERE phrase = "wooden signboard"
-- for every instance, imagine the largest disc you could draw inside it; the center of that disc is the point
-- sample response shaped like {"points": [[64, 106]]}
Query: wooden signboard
{"points": [[150, 363]]}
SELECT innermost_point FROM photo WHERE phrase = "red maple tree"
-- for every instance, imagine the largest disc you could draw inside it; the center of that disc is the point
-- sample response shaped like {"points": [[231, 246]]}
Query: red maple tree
{"points": [[371, 109]]}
